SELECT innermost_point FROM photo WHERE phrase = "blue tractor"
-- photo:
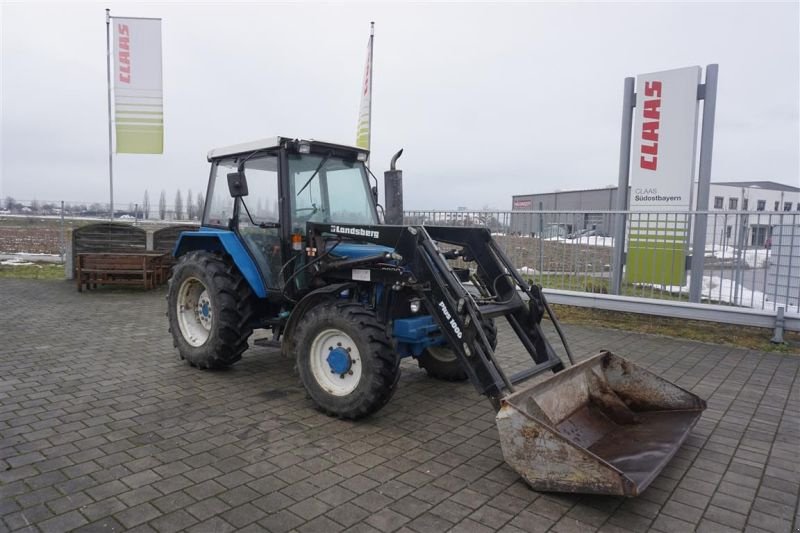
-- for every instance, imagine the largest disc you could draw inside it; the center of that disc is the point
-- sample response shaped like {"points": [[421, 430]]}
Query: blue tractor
{"points": [[291, 241]]}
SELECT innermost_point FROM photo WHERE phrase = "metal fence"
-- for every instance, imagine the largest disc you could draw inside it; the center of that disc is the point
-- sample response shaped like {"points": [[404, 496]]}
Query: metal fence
{"points": [[751, 259]]}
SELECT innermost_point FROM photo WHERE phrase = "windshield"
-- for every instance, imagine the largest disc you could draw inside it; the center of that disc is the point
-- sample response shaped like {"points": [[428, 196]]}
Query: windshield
{"points": [[338, 193]]}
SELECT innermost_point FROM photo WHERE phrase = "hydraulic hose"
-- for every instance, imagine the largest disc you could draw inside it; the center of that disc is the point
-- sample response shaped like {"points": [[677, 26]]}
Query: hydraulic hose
{"points": [[557, 325]]}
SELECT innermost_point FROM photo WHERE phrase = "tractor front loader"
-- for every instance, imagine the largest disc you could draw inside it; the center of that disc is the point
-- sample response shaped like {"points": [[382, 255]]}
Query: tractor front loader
{"points": [[294, 244]]}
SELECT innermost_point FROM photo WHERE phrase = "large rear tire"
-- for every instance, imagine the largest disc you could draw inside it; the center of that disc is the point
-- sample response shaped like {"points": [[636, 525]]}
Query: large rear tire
{"points": [[345, 360], [210, 309], [441, 362]]}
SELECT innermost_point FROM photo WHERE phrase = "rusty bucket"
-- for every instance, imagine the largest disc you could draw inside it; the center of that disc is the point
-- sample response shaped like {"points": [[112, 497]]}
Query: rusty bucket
{"points": [[603, 426]]}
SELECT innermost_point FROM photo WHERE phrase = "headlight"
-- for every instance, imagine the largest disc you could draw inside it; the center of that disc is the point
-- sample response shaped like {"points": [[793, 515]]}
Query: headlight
{"points": [[304, 147], [362, 156], [415, 306]]}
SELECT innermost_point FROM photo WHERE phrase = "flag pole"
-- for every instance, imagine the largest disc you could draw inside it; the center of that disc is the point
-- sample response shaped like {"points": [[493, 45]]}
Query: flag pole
{"points": [[110, 145], [371, 75]]}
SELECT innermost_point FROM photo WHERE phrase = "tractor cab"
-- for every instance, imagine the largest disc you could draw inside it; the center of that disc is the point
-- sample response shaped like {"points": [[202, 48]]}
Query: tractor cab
{"points": [[265, 192]]}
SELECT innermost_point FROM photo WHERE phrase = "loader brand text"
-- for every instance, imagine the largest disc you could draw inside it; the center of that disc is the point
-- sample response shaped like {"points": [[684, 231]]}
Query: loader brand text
{"points": [[449, 317], [358, 232], [124, 47], [651, 122]]}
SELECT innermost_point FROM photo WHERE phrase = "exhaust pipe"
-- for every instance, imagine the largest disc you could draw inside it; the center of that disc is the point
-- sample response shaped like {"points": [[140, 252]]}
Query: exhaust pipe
{"points": [[393, 189]]}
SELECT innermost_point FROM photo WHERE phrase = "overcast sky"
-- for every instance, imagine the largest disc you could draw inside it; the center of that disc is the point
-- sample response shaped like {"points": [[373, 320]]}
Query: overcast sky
{"points": [[488, 100]]}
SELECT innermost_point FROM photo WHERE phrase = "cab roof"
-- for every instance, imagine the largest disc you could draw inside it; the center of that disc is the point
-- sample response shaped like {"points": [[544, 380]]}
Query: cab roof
{"points": [[274, 142]]}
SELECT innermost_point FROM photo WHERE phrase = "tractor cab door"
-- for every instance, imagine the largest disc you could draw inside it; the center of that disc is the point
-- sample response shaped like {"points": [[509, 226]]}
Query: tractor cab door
{"points": [[264, 244]]}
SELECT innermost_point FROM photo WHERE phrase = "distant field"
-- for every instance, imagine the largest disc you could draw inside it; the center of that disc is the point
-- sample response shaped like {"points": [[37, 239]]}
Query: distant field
{"points": [[34, 235], [43, 235]]}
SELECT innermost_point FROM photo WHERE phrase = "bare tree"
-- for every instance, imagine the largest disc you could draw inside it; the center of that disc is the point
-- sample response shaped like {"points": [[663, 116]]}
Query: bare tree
{"points": [[178, 205], [35, 207], [189, 206], [201, 202], [146, 205], [162, 205], [9, 203]]}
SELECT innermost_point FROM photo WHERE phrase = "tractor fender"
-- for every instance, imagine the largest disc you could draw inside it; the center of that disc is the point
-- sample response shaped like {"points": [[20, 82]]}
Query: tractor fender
{"points": [[307, 302], [223, 241]]}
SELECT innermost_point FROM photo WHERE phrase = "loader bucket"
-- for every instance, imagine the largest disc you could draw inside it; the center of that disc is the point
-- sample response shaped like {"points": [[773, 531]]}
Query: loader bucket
{"points": [[603, 426]]}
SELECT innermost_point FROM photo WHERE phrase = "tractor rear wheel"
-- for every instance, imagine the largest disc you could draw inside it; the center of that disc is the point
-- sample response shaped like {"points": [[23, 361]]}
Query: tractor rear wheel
{"points": [[345, 360], [210, 310], [441, 362]]}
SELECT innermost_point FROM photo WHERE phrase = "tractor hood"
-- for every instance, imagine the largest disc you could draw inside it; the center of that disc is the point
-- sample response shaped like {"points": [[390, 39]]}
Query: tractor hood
{"points": [[357, 251]]}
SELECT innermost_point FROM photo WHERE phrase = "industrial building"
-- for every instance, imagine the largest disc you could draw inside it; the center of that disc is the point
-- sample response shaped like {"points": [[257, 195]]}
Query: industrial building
{"points": [[728, 197]]}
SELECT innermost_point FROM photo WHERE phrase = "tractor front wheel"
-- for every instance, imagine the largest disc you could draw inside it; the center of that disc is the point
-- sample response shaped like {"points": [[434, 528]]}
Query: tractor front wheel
{"points": [[345, 360], [441, 362], [210, 309]]}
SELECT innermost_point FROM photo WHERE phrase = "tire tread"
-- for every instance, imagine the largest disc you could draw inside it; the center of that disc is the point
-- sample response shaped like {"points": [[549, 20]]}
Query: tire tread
{"points": [[235, 313], [386, 370]]}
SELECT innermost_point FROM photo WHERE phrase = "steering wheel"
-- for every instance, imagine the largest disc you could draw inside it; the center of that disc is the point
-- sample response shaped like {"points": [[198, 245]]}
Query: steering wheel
{"points": [[313, 211]]}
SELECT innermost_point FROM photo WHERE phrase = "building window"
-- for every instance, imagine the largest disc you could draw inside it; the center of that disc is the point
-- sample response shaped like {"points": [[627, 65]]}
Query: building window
{"points": [[787, 206], [718, 202], [777, 205], [762, 204], [728, 230], [733, 204], [744, 204], [758, 235]]}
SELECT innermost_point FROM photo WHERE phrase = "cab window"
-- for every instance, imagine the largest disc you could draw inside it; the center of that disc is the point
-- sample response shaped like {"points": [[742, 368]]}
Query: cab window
{"points": [[219, 204]]}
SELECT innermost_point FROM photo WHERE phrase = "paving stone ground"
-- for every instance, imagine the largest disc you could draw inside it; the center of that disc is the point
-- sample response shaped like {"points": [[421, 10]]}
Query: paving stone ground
{"points": [[103, 428]]}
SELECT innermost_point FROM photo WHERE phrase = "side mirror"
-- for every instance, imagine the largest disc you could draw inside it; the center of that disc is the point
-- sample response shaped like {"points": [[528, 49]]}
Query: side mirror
{"points": [[374, 190], [237, 184]]}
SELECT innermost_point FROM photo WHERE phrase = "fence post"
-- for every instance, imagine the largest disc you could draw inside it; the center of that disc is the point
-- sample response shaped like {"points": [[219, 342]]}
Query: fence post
{"points": [[541, 241], [68, 256], [628, 103], [741, 243], [703, 184], [777, 337], [63, 230]]}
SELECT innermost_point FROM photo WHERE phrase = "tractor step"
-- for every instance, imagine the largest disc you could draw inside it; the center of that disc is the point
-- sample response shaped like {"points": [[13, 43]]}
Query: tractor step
{"points": [[267, 343]]}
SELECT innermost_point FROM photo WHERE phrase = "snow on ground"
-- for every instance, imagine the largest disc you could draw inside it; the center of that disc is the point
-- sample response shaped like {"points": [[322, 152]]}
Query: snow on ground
{"points": [[15, 262], [28, 258], [751, 258], [592, 240], [44, 218], [726, 291]]}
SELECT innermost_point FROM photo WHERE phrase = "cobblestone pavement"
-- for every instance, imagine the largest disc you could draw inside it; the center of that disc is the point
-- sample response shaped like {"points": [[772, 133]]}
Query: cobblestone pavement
{"points": [[103, 428]]}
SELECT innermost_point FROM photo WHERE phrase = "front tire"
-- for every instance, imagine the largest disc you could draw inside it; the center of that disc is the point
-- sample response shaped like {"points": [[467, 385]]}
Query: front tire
{"points": [[210, 310], [345, 360], [441, 362]]}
